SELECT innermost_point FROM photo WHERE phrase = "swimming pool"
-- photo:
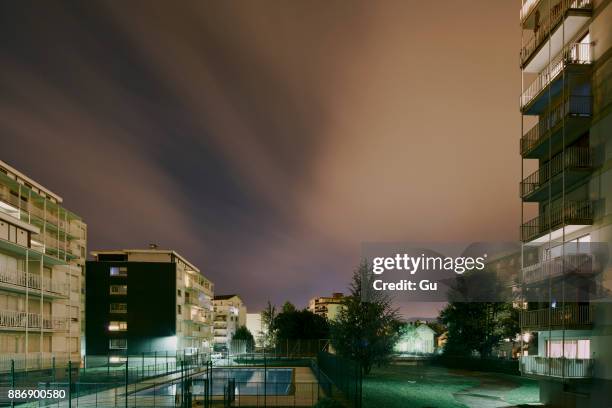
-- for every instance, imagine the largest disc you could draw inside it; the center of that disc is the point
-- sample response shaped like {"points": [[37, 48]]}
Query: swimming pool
{"points": [[248, 381]]}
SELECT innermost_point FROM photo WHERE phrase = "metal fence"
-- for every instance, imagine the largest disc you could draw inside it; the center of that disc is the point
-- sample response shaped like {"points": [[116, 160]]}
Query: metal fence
{"points": [[251, 379]]}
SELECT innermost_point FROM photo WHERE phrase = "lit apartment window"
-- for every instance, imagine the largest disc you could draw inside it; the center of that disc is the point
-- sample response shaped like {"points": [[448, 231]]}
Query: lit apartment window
{"points": [[118, 307], [118, 289], [117, 326], [117, 344], [118, 271], [569, 348]]}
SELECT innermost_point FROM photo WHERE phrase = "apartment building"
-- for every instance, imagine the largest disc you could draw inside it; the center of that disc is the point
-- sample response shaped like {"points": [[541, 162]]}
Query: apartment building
{"points": [[147, 300], [566, 192], [42, 258], [230, 313], [327, 307]]}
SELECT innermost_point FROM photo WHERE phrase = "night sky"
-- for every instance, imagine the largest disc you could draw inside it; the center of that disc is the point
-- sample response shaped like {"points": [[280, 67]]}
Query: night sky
{"points": [[266, 140]]}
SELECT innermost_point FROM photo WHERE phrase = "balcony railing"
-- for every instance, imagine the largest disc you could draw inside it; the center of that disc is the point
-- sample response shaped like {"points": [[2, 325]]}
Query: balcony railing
{"points": [[580, 106], [526, 8], [574, 213], [549, 23], [557, 366], [570, 316], [31, 281], [571, 263], [577, 53], [572, 158], [11, 319]]}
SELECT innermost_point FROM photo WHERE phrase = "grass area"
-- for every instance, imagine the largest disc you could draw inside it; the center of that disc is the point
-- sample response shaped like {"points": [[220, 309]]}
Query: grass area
{"points": [[433, 387], [414, 386], [528, 391]]}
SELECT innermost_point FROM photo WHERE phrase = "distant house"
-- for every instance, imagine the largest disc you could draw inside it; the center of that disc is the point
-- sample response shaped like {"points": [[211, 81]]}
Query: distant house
{"points": [[416, 339]]}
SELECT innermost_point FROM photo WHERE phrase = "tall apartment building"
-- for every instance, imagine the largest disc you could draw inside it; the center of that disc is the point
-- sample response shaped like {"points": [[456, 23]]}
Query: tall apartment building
{"points": [[566, 198], [147, 300], [42, 258], [326, 306], [230, 313]]}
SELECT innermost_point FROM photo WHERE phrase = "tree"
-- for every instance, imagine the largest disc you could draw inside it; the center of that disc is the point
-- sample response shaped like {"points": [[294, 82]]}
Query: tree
{"points": [[268, 316], [367, 326], [288, 307], [244, 335], [300, 325], [476, 326]]}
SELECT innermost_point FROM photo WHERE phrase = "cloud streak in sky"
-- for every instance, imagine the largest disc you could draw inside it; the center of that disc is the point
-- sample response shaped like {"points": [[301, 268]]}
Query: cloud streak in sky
{"points": [[265, 141]]}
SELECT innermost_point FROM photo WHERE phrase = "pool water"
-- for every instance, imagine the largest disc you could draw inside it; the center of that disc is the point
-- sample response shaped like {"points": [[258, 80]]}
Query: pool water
{"points": [[248, 381]]}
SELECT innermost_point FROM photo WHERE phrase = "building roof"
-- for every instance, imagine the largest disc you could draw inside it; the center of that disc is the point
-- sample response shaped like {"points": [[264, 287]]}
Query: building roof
{"points": [[28, 180], [225, 297], [145, 251]]}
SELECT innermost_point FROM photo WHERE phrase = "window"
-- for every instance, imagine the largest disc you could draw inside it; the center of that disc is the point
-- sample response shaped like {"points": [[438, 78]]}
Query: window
{"points": [[118, 271], [118, 307], [179, 309], [118, 289], [117, 344], [117, 326], [179, 292], [571, 349]]}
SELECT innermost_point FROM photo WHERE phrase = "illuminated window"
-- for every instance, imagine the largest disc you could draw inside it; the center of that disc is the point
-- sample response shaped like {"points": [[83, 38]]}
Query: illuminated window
{"points": [[118, 271], [118, 307], [569, 349], [117, 326], [117, 344], [118, 289]]}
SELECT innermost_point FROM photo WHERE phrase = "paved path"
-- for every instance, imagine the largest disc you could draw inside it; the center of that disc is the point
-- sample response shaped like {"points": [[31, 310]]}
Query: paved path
{"points": [[487, 394]]}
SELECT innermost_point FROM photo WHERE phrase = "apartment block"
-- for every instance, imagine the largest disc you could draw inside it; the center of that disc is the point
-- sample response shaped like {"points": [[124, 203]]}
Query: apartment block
{"points": [[230, 313], [147, 300], [327, 307], [42, 259], [566, 193]]}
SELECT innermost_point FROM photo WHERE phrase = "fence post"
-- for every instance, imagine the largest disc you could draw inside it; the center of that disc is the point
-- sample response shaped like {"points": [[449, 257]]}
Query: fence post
{"points": [[143, 365], [166, 362], [265, 380], [155, 363], [127, 377], [12, 379], [53, 368], [69, 383]]}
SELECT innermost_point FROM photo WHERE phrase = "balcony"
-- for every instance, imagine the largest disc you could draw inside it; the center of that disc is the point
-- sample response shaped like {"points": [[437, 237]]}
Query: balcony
{"points": [[547, 181], [13, 320], [557, 367], [572, 13], [571, 316], [580, 264], [575, 213], [574, 58], [546, 137], [21, 281]]}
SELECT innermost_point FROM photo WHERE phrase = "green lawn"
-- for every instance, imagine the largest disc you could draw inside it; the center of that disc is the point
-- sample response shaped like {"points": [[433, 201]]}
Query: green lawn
{"points": [[415, 387], [433, 387]]}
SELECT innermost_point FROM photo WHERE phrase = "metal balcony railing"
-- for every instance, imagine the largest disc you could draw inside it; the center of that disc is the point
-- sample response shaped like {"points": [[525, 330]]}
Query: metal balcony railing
{"points": [[579, 106], [572, 315], [577, 53], [11, 319], [571, 263], [548, 23], [527, 7], [31, 281], [574, 213], [557, 366], [572, 158]]}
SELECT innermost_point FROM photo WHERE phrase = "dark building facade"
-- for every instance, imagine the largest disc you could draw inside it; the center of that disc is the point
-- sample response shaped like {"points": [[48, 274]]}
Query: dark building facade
{"points": [[144, 301]]}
